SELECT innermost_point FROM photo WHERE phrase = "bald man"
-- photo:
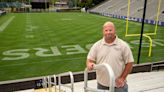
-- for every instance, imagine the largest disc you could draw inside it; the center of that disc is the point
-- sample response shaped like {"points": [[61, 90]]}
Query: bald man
{"points": [[115, 52]]}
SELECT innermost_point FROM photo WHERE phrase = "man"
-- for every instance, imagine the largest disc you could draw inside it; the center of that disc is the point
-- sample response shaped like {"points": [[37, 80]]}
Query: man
{"points": [[115, 52]]}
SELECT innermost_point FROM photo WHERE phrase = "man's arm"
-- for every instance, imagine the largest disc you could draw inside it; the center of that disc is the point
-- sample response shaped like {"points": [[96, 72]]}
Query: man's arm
{"points": [[120, 82], [127, 70], [89, 64]]}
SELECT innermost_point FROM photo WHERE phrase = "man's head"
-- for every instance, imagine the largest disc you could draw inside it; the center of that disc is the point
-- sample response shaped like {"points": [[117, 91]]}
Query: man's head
{"points": [[109, 32]]}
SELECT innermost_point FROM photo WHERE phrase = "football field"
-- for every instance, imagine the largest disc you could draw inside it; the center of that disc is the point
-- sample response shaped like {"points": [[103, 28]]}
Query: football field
{"points": [[38, 44]]}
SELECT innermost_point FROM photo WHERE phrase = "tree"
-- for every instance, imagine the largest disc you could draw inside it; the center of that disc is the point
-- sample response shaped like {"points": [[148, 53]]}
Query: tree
{"points": [[85, 3]]}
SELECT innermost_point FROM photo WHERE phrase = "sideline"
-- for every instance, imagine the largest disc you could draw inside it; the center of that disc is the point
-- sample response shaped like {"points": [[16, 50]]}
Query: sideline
{"points": [[5, 24]]}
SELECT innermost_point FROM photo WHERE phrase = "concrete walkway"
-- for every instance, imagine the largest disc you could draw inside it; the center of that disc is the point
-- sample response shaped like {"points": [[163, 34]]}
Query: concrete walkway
{"points": [[138, 82]]}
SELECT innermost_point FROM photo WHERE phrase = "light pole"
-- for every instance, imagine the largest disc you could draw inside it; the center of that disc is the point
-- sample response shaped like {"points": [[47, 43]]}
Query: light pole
{"points": [[45, 4]]}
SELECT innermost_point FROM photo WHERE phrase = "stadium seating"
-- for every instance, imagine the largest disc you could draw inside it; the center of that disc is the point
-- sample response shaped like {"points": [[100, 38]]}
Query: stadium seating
{"points": [[120, 7], [10, 4], [135, 5]]}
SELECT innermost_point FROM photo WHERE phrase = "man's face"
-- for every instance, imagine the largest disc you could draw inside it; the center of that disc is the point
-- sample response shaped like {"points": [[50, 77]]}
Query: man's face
{"points": [[109, 32]]}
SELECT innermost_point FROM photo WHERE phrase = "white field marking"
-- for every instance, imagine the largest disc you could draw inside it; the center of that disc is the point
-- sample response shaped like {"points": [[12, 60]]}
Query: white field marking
{"points": [[28, 25], [42, 62], [29, 36], [33, 27], [46, 27], [28, 19], [28, 22], [5, 24], [66, 19], [30, 28]]}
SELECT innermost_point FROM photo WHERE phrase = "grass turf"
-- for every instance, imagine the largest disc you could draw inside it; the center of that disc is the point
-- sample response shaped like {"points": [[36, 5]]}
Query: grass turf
{"points": [[34, 31]]}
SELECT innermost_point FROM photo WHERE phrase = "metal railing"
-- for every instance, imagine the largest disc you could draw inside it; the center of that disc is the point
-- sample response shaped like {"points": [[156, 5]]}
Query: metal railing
{"points": [[110, 74], [47, 83], [66, 85]]}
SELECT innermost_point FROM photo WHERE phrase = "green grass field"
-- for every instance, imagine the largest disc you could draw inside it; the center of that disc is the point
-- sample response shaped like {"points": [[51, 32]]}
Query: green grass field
{"points": [[38, 44]]}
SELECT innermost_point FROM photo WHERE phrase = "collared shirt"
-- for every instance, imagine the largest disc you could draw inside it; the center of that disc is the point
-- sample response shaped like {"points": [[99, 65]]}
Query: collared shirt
{"points": [[116, 54]]}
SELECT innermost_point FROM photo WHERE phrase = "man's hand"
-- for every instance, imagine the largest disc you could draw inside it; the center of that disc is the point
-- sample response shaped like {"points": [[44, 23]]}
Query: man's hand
{"points": [[120, 82], [90, 65]]}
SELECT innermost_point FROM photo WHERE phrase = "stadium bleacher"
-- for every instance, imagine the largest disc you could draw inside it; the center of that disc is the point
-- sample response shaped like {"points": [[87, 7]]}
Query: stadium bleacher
{"points": [[120, 8]]}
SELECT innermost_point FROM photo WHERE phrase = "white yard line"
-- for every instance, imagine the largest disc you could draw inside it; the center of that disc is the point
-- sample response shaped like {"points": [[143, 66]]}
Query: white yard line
{"points": [[5, 24]]}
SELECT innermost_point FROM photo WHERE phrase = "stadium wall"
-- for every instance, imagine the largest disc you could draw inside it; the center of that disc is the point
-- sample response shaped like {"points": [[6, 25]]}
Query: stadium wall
{"points": [[36, 83], [153, 22]]}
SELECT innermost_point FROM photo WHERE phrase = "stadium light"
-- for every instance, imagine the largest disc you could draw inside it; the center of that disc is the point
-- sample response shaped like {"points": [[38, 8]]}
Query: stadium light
{"points": [[139, 50], [75, 3], [45, 5]]}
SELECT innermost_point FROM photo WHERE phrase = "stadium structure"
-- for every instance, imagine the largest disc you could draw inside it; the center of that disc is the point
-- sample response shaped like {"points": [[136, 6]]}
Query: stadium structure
{"points": [[44, 43]]}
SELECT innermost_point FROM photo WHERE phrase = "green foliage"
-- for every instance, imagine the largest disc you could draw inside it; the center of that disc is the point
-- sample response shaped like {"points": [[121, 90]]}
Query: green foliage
{"points": [[89, 3], [85, 3]]}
